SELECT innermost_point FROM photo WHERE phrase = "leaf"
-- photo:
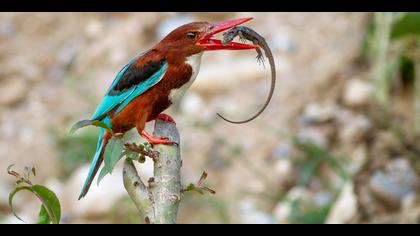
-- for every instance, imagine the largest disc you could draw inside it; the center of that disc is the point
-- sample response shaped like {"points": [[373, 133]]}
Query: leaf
{"points": [[27, 172], [79, 125], [142, 159], [101, 124], [102, 174], [408, 24], [33, 171], [11, 172], [200, 188], [43, 217], [131, 154], [202, 178], [113, 153], [211, 191], [84, 123], [192, 187], [9, 168], [48, 198], [140, 147]]}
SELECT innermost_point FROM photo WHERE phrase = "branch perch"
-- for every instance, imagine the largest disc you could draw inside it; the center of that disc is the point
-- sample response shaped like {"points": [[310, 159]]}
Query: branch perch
{"points": [[159, 200]]}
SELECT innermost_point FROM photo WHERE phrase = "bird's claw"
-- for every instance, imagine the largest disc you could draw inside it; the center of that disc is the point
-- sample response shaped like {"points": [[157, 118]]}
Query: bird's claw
{"points": [[153, 141]]}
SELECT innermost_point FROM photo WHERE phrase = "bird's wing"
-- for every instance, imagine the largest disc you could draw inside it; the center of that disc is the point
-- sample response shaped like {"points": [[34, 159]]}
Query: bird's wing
{"points": [[129, 83]]}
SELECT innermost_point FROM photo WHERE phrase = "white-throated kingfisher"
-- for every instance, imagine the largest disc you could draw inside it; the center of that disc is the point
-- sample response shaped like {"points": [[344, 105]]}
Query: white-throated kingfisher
{"points": [[155, 79]]}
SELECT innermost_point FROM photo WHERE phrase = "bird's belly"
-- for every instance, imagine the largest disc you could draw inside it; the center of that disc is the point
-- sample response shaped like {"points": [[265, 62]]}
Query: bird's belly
{"points": [[177, 93]]}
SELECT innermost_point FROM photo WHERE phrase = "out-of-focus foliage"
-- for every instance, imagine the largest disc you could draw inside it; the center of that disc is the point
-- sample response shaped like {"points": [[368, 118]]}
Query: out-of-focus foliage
{"points": [[408, 24], [395, 47], [306, 213], [313, 156], [75, 150]]}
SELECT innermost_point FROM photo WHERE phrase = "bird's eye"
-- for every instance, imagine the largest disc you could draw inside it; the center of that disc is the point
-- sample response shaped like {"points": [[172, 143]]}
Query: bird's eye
{"points": [[191, 35]]}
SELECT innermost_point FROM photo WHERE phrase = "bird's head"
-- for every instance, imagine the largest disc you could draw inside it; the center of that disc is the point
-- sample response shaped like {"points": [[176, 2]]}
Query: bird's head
{"points": [[197, 37]]}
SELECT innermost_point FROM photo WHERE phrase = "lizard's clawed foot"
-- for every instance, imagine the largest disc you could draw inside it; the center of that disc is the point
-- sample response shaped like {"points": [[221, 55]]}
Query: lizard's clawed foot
{"points": [[166, 118], [153, 141]]}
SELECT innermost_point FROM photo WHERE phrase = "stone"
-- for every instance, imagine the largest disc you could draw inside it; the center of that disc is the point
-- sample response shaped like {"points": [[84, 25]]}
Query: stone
{"points": [[357, 92], [300, 193], [354, 128], [315, 113], [322, 198], [282, 212], [395, 182], [283, 167], [250, 214], [94, 28], [410, 213], [315, 135], [284, 150], [12, 91], [345, 207], [358, 157]]}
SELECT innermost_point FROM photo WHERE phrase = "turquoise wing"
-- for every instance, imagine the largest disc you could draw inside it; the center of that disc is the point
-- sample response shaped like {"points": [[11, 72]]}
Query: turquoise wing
{"points": [[129, 83]]}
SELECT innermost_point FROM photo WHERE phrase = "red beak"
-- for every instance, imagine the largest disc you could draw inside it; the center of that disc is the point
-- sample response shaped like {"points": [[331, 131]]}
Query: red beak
{"points": [[208, 43]]}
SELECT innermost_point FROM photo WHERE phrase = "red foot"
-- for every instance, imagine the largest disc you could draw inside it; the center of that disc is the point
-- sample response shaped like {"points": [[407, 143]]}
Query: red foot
{"points": [[151, 140], [165, 117]]}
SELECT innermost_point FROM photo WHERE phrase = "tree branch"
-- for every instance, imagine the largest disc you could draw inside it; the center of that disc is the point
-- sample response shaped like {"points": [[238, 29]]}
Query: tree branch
{"points": [[158, 201], [137, 190]]}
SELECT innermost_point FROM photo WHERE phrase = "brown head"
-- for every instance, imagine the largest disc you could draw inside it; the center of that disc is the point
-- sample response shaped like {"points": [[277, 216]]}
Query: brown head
{"points": [[196, 37]]}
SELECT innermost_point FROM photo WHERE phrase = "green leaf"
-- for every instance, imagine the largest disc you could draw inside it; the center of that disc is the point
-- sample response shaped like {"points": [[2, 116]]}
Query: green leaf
{"points": [[101, 124], [408, 24], [140, 147], [79, 125], [48, 198], [192, 187], [131, 154], [84, 123], [43, 217], [113, 152], [142, 159], [104, 171]]}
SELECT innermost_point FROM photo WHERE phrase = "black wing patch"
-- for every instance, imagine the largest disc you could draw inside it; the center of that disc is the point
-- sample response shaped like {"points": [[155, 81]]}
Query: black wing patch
{"points": [[136, 75]]}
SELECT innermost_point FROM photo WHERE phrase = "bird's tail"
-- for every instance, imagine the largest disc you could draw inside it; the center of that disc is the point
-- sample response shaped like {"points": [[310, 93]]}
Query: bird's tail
{"points": [[96, 162]]}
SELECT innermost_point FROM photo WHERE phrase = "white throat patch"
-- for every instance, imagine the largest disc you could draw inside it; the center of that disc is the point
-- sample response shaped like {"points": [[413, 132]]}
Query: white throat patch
{"points": [[194, 61]]}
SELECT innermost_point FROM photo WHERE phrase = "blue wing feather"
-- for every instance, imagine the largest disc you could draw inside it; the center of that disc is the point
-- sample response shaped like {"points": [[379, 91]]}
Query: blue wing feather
{"points": [[109, 102]]}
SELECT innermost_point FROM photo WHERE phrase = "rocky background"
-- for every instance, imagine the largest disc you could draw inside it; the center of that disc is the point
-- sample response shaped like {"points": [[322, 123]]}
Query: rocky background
{"points": [[323, 152]]}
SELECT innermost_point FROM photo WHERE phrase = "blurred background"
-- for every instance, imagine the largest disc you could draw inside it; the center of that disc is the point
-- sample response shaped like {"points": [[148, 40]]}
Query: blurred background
{"points": [[339, 142]]}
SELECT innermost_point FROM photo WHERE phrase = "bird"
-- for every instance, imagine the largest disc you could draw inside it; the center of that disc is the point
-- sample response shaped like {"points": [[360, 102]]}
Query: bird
{"points": [[154, 80]]}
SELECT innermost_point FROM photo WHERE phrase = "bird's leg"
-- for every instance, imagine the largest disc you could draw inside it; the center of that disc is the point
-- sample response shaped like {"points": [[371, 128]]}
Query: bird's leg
{"points": [[152, 140], [162, 116], [160, 140]]}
